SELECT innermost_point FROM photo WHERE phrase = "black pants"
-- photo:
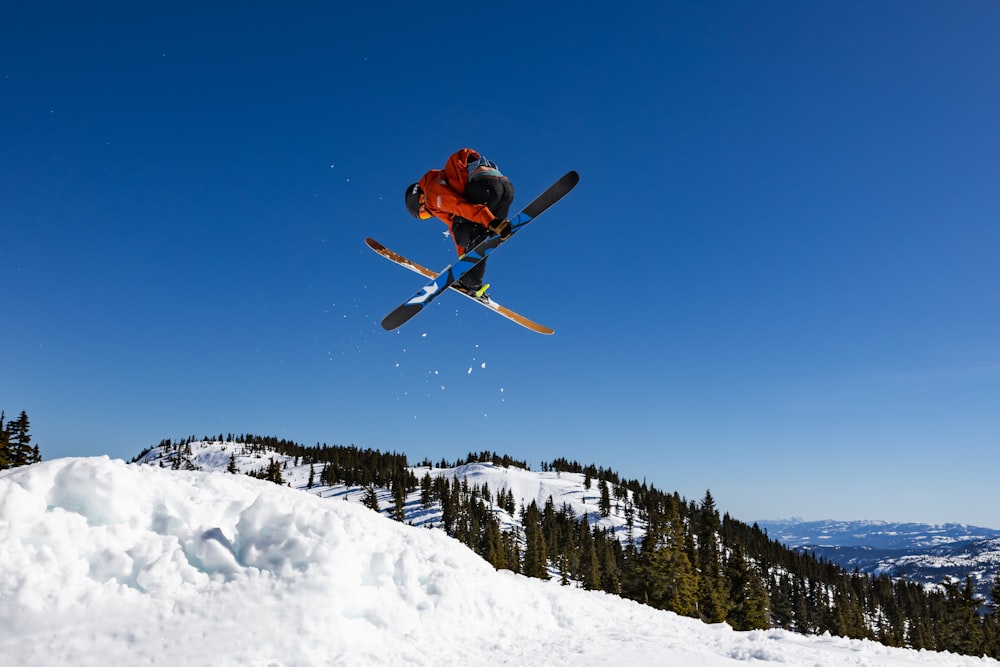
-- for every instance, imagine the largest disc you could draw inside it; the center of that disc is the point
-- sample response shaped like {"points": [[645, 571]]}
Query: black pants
{"points": [[498, 194]]}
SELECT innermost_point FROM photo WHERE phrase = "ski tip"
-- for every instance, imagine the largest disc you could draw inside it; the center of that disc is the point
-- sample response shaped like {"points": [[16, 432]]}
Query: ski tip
{"points": [[400, 316]]}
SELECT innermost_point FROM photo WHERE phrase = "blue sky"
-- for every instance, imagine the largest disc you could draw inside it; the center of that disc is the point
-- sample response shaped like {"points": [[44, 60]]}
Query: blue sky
{"points": [[777, 278]]}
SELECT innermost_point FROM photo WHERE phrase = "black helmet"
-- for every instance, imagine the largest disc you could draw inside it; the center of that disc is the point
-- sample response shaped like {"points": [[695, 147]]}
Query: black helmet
{"points": [[413, 196]]}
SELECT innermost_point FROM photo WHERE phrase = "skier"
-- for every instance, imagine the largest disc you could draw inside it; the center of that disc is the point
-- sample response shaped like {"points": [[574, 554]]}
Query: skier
{"points": [[472, 197]]}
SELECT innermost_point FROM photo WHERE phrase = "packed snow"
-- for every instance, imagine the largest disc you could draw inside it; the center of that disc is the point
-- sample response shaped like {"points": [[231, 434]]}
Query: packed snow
{"points": [[107, 563]]}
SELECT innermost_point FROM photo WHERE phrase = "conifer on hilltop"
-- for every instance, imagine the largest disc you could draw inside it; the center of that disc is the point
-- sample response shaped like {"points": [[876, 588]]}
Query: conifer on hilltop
{"points": [[16, 449], [4, 445]]}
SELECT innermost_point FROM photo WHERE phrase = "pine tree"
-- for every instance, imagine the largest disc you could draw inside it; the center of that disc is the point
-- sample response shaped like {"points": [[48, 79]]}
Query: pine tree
{"points": [[991, 621], [449, 507], [274, 472], [630, 524], [371, 498], [961, 628], [426, 491], [847, 615], [398, 500], [660, 574], [536, 551], [800, 609], [781, 602], [683, 598], [511, 551], [510, 505], [605, 502], [493, 544], [457, 514], [748, 608], [4, 444], [589, 567], [994, 603], [610, 558], [20, 451], [712, 593]]}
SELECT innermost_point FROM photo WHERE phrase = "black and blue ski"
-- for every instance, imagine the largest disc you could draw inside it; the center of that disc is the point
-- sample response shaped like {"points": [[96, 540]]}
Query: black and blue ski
{"points": [[460, 288], [470, 259]]}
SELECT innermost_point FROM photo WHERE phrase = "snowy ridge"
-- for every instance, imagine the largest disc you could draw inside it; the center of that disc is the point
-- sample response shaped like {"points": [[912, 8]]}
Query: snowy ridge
{"points": [[924, 553], [107, 563], [526, 486]]}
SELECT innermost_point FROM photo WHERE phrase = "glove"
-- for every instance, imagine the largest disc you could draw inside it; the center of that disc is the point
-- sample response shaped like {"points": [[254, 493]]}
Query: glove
{"points": [[500, 227]]}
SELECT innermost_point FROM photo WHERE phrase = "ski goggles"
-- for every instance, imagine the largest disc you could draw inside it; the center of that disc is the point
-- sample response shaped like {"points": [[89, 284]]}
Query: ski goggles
{"points": [[422, 212]]}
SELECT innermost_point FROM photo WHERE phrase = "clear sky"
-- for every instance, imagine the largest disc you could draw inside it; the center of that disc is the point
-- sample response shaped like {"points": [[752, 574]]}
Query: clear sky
{"points": [[778, 278]]}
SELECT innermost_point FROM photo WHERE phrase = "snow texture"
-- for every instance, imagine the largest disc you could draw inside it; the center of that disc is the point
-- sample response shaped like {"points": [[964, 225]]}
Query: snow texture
{"points": [[106, 563]]}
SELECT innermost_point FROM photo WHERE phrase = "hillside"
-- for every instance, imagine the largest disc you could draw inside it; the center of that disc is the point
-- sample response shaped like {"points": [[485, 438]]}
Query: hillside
{"points": [[107, 563], [587, 527], [564, 488]]}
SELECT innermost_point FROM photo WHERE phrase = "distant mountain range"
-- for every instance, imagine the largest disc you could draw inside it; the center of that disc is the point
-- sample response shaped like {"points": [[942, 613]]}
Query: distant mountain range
{"points": [[921, 552]]}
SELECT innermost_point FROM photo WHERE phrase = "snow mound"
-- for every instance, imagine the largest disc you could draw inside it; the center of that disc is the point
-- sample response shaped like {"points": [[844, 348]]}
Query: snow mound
{"points": [[104, 563]]}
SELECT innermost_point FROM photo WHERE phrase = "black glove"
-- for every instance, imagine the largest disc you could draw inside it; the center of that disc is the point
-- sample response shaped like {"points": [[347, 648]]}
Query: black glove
{"points": [[500, 227]]}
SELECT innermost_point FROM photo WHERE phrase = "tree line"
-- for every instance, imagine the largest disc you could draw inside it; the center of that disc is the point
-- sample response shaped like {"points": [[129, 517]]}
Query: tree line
{"points": [[692, 559], [15, 442]]}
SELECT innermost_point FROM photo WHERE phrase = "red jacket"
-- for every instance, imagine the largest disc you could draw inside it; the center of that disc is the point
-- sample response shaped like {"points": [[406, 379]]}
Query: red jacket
{"points": [[443, 190]]}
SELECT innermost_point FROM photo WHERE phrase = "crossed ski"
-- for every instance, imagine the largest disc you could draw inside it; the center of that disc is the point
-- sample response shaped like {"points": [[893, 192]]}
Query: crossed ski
{"points": [[482, 300], [451, 274]]}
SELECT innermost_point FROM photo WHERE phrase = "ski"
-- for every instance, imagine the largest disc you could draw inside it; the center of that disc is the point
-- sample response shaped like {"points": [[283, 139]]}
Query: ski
{"points": [[470, 259], [482, 300]]}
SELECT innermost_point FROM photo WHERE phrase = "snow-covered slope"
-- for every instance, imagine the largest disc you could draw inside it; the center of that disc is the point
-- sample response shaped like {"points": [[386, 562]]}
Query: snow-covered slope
{"points": [[106, 563], [565, 489]]}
